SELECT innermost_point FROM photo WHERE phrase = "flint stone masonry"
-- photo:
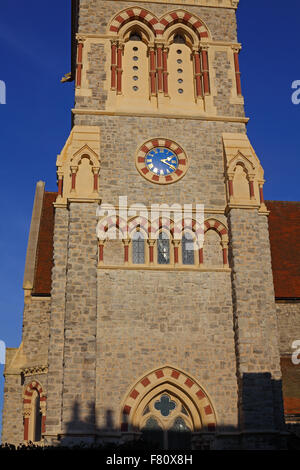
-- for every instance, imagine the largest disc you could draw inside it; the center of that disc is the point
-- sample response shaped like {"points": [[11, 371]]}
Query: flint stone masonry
{"points": [[80, 319], [202, 142], [12, 417], [156, 318], [56, 340], [254, 318], [36, 318]]}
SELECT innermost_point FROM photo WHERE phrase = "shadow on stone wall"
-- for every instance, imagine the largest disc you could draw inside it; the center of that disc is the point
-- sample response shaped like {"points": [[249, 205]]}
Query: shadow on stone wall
{"points": [[261, 425]]}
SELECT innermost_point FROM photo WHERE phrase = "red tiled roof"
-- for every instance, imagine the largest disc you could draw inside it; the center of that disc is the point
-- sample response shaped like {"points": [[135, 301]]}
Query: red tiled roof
{"points": [[44, 256], [284, 228]]}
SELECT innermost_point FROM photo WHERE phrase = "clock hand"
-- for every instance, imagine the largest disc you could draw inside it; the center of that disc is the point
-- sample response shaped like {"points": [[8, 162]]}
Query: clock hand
{"points": [[169, 164]]}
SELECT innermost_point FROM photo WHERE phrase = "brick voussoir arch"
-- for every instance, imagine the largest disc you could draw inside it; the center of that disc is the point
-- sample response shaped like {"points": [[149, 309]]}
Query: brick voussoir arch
{"points": [[168, 376], [108, 222], [182, 16], [27, 402], [28, 392], [219, 227], [134, 13], [159, 26]]}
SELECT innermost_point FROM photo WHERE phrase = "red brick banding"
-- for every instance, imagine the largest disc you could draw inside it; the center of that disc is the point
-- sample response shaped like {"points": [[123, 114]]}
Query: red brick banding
{"points": [[158, 26], [30, 388], [160, 377]]}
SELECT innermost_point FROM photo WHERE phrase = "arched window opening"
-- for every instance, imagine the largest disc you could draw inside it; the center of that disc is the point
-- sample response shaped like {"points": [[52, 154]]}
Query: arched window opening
{"points": [[135, 76], [138, 248], [181, 69], [134, 36], [167, 422], [163, 248], [179, 39], [212, 249], [188, 249], [35, 425]]}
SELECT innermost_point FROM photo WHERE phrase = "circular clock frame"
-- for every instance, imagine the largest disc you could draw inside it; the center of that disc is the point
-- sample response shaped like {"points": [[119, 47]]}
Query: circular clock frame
{"points": [[149, 175]]}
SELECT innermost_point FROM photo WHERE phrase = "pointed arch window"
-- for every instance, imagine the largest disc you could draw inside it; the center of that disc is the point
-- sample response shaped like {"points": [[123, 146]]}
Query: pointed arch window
{"points": [[167, 423], [163, 248], [133, 63], [179, 39], [35, 420], [180, 67], [188, 252], [138, 248], [134, 36]]}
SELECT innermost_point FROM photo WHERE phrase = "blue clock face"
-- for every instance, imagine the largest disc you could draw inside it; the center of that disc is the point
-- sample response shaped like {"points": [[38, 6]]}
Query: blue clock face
{"points": [[161, 161]]}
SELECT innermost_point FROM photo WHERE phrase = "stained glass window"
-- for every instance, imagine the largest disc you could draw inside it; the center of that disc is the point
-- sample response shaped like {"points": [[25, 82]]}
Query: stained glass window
{"points": [[152, 423], [163, 249], [180, 425], [188, 255], [165, 405], [138, 248]]}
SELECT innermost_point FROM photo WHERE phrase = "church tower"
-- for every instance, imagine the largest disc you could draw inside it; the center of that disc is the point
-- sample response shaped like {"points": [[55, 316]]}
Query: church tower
{"points": [[159, 316]]}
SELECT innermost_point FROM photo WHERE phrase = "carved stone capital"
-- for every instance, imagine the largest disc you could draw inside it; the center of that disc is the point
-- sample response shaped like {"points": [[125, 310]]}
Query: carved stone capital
{"points": [[80, 39], [251, 177], [236, 48], [95, 170], [204, 47], [224, 243], [74, 169]]}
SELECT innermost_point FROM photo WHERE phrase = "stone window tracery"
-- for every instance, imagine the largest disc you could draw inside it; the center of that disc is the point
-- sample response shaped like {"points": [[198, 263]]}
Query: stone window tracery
{"points": [[166, 421]]}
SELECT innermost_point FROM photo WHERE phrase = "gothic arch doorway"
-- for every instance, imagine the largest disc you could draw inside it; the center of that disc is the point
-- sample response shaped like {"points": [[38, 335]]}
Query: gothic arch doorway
{"points": [[167, 406]]}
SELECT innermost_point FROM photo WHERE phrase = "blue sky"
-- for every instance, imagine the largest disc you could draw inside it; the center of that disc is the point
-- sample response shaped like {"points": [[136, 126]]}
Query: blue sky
{"points": [[35, 122]]}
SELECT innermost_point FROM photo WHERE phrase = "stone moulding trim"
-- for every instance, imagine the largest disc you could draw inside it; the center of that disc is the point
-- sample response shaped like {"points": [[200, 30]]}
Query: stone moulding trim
{"points": [[35, 370], [164, 378], [228, 4], [79, 200], [207, 42], [203, 117], [220, 210], [245, 206], [163, 268]]}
